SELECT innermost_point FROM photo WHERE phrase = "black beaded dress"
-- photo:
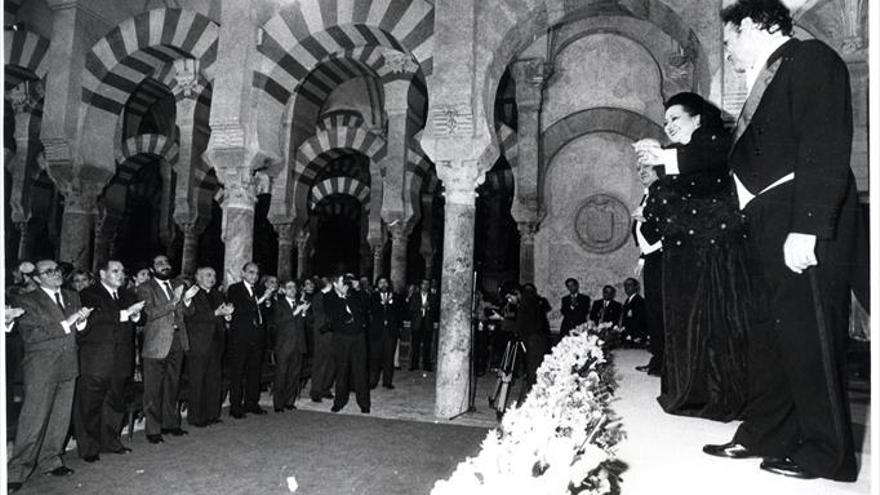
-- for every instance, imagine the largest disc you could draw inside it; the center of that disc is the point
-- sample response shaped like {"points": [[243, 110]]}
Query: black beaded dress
{"points": [[706, 287]]}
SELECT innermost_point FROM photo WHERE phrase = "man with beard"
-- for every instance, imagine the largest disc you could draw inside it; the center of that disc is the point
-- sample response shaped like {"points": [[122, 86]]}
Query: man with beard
{"points": [[106, 362], [347, 320], [386, 313], [206, 326], [165, 341], [246, 342]]}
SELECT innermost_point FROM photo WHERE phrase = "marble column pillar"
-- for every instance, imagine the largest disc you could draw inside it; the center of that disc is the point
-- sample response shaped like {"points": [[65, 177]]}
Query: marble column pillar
{"points": [[22, 165], [527, 231], [239, 202], [303, 269], [285, 249], [399, 241], [378, 249], [24, 240], [80, 208], [190, 253], [106, 228]]}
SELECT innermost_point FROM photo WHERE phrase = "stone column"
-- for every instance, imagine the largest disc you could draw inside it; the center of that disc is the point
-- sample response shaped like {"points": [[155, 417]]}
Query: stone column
{"points": [[399, 240], [22, 166], [527, 231], [237, 231], [285, 249], [80, 208], [189, 253], [377, 246], [24, 240], [302, 253], [426, 246], [106, 230]]}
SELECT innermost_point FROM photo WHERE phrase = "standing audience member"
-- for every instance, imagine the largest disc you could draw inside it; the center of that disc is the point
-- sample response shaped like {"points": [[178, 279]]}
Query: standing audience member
{"points": [[246, 343], [791, 160], [165, 341], [106, 362], [323, 366], [650, 265], [386, 312], [575, 308], [347, 319], [80, 279], [633, 320], [606, 310], [288, 325], [422, 308], [530, 328], [206, 326], [49, 325]]}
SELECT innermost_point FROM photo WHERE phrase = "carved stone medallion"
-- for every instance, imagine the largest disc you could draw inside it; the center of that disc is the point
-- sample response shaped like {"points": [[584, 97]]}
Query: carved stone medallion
{"points": [[602, 223]]}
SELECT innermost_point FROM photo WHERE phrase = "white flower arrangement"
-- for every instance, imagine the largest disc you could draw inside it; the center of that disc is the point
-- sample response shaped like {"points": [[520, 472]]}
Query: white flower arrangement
{"points": [[560, 440]]}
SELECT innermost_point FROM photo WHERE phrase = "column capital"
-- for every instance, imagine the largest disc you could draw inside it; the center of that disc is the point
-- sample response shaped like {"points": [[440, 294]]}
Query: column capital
{"points": [[527, 231], [192, 228], [187, 78], [460, 180], [80, 196], [530, 75], [285, 232], [302, 239], [399, 231], [240, 187], [25, 96]]}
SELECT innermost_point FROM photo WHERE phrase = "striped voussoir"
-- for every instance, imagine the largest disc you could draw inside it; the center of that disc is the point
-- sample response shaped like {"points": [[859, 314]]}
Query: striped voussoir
{"points": [[507, 141], [339, 206], [348, 186], [140, 150], [355, 165], [24, 56]]}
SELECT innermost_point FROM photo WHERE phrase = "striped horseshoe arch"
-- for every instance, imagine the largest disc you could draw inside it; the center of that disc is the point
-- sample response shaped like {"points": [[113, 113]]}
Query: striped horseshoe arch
{"points": [[139, 150], [24, 56], [348, 186], [507, 140], [325, 147]]}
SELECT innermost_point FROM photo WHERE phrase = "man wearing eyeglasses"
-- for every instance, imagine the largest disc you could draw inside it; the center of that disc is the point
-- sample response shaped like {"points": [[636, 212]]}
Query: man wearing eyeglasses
{"points": [[52, 317]]}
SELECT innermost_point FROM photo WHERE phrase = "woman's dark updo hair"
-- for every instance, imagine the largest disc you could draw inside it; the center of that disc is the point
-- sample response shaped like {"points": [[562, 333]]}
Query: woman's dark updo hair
{"points": [[694, 104]]}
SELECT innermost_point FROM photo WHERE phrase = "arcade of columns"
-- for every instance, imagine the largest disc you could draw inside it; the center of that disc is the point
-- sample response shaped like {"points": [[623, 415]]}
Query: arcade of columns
{"points": [[251, 82]]}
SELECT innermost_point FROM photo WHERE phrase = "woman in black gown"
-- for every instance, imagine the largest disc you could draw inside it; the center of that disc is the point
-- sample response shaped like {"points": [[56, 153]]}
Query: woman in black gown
{"points": [[706, 288]]}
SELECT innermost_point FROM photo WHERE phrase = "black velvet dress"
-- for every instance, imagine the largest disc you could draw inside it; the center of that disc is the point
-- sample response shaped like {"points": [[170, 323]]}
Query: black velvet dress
{"points": [[706, 285]]}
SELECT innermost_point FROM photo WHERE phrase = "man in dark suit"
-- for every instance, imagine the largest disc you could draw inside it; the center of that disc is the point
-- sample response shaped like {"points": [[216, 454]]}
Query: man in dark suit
{"points": [[606, 310], [647, 237], [422, 314], [52, 316], [574, 307], [633, 322], [790, 158], [288, 325], [106, 362], [323, 367], [206, 328], [387, 318], [165, 341], [246, 343], [347, 318]]}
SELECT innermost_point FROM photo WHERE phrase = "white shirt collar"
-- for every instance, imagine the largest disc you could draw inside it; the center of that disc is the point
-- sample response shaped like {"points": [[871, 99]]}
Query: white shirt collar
{"points": [[51, 292], [111, 291], [761, 60]]}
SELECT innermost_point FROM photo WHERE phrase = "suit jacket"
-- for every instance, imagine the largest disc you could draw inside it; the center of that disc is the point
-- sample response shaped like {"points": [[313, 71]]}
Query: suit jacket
{"points": [[416, 314], [386, 318], [611, 313], [289, 330], [247, 319], [160, 317], [576, 315], [351, 321], [106, 346], [633, 316], [202, 326], [802, 99], [49, 353]]}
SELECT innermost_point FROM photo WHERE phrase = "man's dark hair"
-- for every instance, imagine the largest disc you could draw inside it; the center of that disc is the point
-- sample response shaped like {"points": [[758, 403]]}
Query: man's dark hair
{"points": [[694, 104], [105, 265], [770, 15], [610, 287], [157, 256], [573, 280]]}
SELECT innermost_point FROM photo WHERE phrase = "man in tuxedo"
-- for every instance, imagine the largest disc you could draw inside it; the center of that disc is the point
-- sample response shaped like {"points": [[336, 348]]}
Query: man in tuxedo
{"points": [[106, 362], [790, 158], [606, 310], [633, 321], [422, 309], [52, 317], [575, 307], [288, 325], [347, 318], [165, 341], [246, 343], [206, 327], [647, 237], [386, 311]]}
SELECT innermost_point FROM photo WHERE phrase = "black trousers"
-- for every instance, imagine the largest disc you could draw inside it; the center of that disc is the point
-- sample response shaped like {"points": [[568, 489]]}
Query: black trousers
{"points": [[161, 386], [382, 359], [288, 370], [99, 411], [323, 366], [245, 371], [652, 278], [797, 397], [350, 354], [422, 340], [205, 378]]}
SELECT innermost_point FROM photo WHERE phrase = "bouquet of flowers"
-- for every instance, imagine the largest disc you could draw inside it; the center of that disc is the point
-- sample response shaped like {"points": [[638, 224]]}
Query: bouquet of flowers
{"points": [[608, 332], [560, 440]]}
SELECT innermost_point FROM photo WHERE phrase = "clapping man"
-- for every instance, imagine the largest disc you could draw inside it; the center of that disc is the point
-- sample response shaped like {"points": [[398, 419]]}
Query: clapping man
{"points": [[387, 315], [347, 318], [575, 307], [288, 324], [165, 341], [633, 322], [106, 360], [52, 317], [606, 310]]}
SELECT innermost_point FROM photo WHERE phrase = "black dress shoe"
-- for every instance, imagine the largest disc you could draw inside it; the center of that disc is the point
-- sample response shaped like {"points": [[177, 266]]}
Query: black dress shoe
{"points": [[643, 368], [279, 409], [13, 487], [177, 432], [62, 471], [259, 411], [238, 415], [214, 421], [786, 467], [155, 438], [92, 458], [335, 408], [365, 410], [290, 407], [121, 450], [730, 450], [388, 386], [315, 398], [198, 424]]}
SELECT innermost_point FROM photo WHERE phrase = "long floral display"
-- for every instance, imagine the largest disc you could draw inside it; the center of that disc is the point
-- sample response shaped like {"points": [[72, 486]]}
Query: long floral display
{"points": [[561, 439]]}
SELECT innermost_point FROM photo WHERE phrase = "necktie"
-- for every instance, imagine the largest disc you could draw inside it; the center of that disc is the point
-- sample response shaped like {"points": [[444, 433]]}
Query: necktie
{"points": [[58, 300], [167, 287], [115, 297]]}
